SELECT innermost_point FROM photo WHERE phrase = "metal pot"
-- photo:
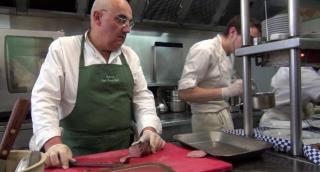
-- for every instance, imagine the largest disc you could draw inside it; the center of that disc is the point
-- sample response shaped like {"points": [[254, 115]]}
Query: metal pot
{"points": [[174, 93], [177, 106], [263, 100]]}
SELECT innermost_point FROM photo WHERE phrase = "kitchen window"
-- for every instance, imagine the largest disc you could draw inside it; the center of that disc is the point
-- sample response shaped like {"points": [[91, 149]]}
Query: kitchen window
{"points": [[23, 58]]}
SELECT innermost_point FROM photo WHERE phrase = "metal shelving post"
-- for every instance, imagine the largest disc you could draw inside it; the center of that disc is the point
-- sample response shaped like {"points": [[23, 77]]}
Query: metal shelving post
{"points": [[247, 92], [295, 80], [292, 44]]}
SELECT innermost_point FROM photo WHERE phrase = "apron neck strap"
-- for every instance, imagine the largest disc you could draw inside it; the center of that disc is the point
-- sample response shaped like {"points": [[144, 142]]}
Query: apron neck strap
{"points": [[123, 60], [81, 54]]}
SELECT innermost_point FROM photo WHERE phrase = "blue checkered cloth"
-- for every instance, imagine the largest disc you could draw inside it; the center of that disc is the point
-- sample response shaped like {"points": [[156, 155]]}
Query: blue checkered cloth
{"points": [[281, 144]]}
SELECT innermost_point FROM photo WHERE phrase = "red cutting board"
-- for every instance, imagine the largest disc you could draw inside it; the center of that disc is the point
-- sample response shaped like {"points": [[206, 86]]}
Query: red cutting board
{"points": [[172, 155]]}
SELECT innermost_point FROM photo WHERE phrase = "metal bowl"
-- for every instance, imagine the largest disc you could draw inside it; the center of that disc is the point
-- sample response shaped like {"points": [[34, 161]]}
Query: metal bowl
{"points": [[177, 106], [263, 100]]}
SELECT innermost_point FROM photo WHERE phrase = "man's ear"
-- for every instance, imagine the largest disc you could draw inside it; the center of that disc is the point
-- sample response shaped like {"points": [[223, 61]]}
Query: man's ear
{"points": [[97, 18], [232, 32]]}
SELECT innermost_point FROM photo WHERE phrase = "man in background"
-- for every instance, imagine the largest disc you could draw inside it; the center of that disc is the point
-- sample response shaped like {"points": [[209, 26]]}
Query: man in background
{"points": [[206, 79], [310, 93]]}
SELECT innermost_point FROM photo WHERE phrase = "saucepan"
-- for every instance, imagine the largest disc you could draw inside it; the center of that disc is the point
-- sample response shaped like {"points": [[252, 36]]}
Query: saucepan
{"points": [[263, 100], [260, 101], [175, 104]]}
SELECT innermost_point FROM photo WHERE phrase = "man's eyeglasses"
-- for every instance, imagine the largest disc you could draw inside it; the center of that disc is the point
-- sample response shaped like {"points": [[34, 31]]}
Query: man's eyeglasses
{"points": [[122, 20]]}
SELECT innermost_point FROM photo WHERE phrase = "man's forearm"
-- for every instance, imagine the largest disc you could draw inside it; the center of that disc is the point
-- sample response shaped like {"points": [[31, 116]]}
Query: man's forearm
{"points": [[200, 95]]}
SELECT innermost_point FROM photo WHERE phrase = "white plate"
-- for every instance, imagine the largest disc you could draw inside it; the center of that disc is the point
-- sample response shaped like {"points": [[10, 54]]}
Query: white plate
{"points": [[285, 133], [310, 141], [315, 123], [316, 116], [279, 124]]}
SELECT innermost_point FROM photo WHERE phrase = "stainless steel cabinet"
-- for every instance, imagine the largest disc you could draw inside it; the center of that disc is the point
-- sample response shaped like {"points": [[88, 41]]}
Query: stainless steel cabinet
{"points": [[168, 63]]}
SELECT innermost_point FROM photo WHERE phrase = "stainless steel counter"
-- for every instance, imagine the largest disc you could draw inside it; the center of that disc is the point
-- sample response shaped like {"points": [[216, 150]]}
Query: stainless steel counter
{"points": [[175, 119], [175, 123], [271, 161], [178, 123]]}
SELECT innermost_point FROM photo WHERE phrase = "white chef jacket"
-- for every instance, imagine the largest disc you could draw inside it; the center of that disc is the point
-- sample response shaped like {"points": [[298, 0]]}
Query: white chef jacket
{"points": [[55, 91], [310, 91], [207, 66]]}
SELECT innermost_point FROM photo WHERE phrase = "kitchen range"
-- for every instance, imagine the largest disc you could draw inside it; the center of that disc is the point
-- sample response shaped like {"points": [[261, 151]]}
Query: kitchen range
{"points": [[162, 39]]}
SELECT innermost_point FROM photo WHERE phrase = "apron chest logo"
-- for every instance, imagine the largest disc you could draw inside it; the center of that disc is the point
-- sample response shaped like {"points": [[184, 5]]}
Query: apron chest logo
{"points": [[109, 78]]}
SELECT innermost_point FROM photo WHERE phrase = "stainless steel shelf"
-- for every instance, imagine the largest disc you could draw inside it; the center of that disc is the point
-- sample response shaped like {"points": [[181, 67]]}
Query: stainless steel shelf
{"points": [[302, 43]]}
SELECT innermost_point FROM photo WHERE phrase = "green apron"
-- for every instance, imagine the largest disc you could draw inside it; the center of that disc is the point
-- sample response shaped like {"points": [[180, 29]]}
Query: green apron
{"points": [[102, 117]]}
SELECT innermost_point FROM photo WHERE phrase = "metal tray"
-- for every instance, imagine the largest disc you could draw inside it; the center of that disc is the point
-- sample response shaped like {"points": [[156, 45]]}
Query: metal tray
{"points": [[223, 145]]}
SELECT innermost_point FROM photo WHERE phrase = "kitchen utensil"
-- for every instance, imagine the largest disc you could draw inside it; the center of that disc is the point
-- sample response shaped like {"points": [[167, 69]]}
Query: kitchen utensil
{"points": [[175, 104], [162, 107], [171, 155], [18, 115], [147, 167], [223, 145], [34, 158], [28, 161], [23, 164], [94, 164], [16, 155], [263, 100]]}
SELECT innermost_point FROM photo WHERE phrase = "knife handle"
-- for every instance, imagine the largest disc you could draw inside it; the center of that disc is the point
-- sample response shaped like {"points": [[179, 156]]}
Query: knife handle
{"points": [[18, 115]]}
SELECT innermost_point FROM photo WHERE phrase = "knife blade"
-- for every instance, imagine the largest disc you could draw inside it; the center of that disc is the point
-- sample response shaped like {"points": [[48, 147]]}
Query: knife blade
{"points": [[94, 164], [17, 116]]}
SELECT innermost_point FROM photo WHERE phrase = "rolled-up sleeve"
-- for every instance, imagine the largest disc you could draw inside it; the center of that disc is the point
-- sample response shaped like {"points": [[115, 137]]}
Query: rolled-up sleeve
{"points": [[46, 96]]}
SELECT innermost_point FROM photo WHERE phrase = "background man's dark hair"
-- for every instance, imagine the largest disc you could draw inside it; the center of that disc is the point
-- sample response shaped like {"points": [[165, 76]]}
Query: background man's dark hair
{"points": [[236, 22]]}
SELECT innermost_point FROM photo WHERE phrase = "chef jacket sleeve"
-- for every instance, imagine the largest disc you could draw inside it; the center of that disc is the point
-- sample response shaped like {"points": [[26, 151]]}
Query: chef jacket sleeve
{"points": [[143, 100], [310, 84], [46, 95], [195, 67]]}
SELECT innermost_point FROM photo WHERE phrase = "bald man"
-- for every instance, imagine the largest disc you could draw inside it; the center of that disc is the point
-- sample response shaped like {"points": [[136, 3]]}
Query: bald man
{"points": [[90, 89]]}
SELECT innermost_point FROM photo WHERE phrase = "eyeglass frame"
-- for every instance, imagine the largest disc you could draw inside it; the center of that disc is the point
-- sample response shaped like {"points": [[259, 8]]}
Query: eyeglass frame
{"points": [[122, 19]]}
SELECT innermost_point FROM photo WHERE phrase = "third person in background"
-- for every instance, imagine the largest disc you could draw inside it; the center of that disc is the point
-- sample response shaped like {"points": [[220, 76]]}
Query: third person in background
{"points": [[206, 79], [310, 92]]}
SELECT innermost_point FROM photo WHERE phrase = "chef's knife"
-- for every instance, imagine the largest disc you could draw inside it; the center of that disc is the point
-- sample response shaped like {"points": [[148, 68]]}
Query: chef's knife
{"points": [[95, 164], [18, 115]]}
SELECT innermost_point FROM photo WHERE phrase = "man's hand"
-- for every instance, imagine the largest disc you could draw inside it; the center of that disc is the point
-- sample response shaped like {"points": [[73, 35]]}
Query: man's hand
{"points": [[58, 155], [234, 89], [155, 141]]}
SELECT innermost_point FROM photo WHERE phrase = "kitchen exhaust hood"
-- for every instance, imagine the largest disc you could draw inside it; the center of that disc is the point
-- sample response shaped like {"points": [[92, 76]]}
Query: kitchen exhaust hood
{"points": [[197, 14], [200, 14]]}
